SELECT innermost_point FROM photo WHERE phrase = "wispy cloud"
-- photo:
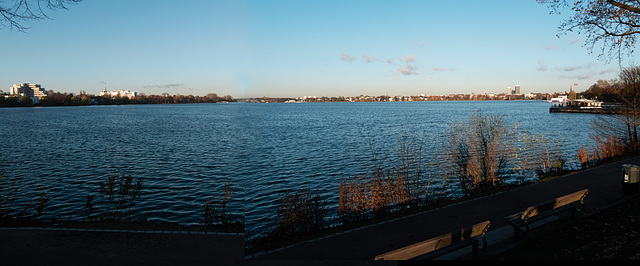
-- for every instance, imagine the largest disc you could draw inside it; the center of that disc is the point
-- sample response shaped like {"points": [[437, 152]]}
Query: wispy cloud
{"points": [[542, 66], [607, 71], [442, 69], [576, 40], [408, 70], [409, 58], [404, 65], [345, 57], [577, 77], [165, 86], [368, 59], [575, 68]]}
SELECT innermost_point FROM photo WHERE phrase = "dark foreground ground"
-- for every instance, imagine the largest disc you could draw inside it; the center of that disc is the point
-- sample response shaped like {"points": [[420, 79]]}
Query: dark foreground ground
{"points": [[612, 234]]}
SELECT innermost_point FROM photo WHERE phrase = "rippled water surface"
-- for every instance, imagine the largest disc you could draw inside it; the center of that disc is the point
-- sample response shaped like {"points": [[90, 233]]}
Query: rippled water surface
{"points": [[186, 153]]}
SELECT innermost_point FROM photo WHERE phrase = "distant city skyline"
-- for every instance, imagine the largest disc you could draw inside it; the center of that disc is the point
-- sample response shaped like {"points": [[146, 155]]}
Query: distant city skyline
{"points": [[302, 48]]}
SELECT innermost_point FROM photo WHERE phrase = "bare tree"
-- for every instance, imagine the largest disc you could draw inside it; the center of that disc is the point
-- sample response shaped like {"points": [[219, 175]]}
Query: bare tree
{"points": [[14, 13], [613, 23], [478, 150], [624, 123]]}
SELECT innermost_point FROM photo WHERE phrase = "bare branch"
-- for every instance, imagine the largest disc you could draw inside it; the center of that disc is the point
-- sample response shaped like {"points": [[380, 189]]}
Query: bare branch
{"points": [[613, 24], [12, 16], [625, 6]]}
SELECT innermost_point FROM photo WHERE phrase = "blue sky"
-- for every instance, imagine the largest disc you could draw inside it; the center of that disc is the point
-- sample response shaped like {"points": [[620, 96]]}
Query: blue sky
{"points": [[279, 48]]}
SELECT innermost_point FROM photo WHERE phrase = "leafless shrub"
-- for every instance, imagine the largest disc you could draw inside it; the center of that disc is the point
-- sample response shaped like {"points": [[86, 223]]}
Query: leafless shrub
{"points": [[12, 214], [7, 198], [477, 151], [300, 212], [604, 149], [386, 188], [215, 211], [541, 154], [117, 197]]}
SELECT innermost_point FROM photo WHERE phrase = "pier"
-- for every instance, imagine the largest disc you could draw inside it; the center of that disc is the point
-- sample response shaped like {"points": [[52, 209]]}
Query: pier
{"points": [[583, 106]]}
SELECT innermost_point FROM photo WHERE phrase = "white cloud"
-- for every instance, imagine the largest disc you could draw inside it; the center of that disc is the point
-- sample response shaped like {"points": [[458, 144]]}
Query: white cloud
{"points": [[345, 57], [575, 68], [607, 71], [440, 69], [542, 66], [408, 70], [368, 59], [403, 64], [409, 58], [576, 40], [165, 86]]}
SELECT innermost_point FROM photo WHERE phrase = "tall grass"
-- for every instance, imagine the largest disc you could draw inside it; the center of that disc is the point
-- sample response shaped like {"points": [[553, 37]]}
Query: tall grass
{"points": [[478, 151], [386, 188], [541, 155], [604, 149], [11, 214], [115, 200], [215, 211], [300, 212]]}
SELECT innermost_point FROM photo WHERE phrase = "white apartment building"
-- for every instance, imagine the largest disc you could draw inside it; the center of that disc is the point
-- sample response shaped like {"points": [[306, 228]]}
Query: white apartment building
{"points": [[31, 90], [121, 93]]}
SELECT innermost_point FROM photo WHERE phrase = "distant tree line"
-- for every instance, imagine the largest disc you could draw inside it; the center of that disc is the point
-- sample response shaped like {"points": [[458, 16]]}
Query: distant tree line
{"points": [[71, 99], [621, 90]]}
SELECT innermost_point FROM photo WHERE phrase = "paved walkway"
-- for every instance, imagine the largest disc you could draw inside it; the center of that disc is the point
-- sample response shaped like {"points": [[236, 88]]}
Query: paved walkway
{"points": [[49, 246], [362, 245], [30, 246]]}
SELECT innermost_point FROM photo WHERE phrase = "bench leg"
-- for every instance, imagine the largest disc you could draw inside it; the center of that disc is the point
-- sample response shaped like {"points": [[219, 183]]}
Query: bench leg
{"points": [[474, 249], [518, 231]]}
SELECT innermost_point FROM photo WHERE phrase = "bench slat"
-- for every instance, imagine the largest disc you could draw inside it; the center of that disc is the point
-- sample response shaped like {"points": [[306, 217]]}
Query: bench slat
{"points": [[557, 203], [540, 211], [432, 244]]}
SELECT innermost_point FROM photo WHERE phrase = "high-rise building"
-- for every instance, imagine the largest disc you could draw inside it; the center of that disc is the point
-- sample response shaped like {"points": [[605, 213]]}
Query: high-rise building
{"points": [[509, 91], [517, 89], [31, 90]]}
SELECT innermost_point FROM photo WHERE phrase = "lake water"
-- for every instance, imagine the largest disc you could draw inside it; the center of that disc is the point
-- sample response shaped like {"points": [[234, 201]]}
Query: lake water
{"points": [[186, 153]]}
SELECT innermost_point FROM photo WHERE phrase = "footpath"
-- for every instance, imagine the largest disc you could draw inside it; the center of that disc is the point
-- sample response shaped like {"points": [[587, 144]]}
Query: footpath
{"points": [[359, 247], [56, 246]]}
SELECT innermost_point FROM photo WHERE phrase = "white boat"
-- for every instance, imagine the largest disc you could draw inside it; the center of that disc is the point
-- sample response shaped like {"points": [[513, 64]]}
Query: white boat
{"points": [[560, 99]]}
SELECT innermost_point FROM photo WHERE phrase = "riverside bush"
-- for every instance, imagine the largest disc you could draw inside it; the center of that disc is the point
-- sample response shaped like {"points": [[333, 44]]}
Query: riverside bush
{"points": [[300, 212], [215, 211], [386, 188], [541, 155], [115, 200], [10, 214], [477, 151], [605, 148]]}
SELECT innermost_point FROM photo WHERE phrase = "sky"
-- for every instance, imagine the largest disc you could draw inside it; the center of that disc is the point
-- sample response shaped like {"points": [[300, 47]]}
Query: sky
{"points": [[282, 48]]}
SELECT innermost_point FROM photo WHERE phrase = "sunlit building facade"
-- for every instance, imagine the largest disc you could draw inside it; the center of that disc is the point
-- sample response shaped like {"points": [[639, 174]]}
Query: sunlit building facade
{"points": [[119, 94], [31, 90]]}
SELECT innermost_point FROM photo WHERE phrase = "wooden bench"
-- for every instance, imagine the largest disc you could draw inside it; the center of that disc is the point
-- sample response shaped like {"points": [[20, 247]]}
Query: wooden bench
{"points": [[544, 210], [441, 245]]}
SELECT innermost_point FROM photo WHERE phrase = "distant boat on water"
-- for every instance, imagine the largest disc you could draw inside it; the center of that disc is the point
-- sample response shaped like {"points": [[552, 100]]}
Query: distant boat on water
{"points": [[560, 99], [577, 106]]}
